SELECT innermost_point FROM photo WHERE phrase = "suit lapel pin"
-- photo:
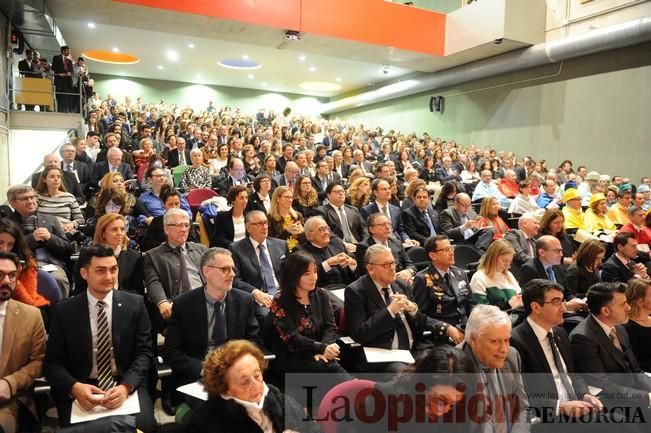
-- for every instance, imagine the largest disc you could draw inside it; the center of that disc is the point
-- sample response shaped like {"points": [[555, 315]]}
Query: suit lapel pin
{"points": [[119, 304]]}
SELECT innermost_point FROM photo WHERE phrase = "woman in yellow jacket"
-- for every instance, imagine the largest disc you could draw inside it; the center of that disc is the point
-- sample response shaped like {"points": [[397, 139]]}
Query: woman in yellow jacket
{"points": [[595, 218]]}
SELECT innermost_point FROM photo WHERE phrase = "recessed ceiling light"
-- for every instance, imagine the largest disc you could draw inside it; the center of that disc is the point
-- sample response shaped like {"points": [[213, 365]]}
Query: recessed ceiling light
{"points": [[264, 84], [239, 63], [251, 76], [301, 58], [91, 25], [245, 57], [190, 45], [115, 49], [172, 55], [338, 79], [320, 86], [312, 68], [160, 67]]}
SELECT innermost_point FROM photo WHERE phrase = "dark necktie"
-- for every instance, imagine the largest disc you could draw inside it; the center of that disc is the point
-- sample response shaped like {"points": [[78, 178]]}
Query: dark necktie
{"points": [[403, 336], [267, 271], [345, 228], [105, 379], [219, 324], [565, 379], [428, 222], [184, 280], [550, 274]]}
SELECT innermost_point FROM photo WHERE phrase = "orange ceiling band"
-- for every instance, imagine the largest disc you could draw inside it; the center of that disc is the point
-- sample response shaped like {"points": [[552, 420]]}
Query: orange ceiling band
{"points": [[110, 57]]}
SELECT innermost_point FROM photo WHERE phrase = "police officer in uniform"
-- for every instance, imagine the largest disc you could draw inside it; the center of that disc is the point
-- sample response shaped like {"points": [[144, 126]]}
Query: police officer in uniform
{"points": [[442, 292]]}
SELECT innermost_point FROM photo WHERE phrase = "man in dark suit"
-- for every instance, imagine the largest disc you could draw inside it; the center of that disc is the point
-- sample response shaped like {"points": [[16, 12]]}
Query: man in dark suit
{"points": [[421, 220], [336, 269], [340, 167], [461, 223], [547, 358], [69, 179], [442, 292], [380, 233], [112, 140], [253, 271], [43, 233], [207, 317], [287, 156], [522, 239], [446, 172], [108, 332], [323, 178], [344, 220], [26, 67], [62, 68], [69, 164], [620, 266], [236, 176], [180, 155], [382, 192], [288, 178], [112, 164], [495, 367], [602, 351], [380, 311]]}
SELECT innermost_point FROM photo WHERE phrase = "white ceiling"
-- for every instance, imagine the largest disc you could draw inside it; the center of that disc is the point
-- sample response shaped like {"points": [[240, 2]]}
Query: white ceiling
{"points": [[148, 33]]}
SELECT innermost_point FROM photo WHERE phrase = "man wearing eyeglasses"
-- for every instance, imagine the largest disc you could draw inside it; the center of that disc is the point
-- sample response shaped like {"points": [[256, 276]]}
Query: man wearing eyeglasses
{"points": [[207, 317], [258, 260], [22, 343], [547, 265], [43, 233], [380, 311], [442, 292]]}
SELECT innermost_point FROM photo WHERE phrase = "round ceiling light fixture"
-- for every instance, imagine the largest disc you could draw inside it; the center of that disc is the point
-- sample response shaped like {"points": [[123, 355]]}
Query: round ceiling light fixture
{"points": [[239, 63], [104, 56]]}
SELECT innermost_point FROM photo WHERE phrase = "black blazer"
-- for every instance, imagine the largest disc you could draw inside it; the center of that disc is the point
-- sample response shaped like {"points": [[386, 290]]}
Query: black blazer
{"points": [[368, 319], [173, 158], [130, 274], [399, 255], [27, 70], [68, 358], [338, 275], [58, 247], [356, 223], [414, 225], [614, 270], [249, 275], [186, 342], [224, 229], [598, 359], [532, 268], [538, 379], [255, 203], [292, 344], [579, 280], [83, 172]]}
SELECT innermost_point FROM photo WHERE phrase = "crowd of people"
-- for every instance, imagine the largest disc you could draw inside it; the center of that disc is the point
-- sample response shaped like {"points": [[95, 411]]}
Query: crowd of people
{"points": [[310, 231]]}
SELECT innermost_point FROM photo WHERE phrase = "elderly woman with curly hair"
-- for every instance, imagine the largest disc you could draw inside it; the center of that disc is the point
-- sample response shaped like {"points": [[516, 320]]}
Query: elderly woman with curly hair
{"points": [[239, 400]]}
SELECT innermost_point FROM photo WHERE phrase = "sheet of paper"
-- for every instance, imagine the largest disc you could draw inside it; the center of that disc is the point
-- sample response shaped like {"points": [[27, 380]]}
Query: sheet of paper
{"points": [[48, 268], [194, 389], [594, 390], [339, 293], [347, 340], [375, 354], [130, 406]]}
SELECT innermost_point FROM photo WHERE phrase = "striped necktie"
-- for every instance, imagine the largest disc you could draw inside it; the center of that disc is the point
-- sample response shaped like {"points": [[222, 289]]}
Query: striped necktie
{"points": [[105, 379]]}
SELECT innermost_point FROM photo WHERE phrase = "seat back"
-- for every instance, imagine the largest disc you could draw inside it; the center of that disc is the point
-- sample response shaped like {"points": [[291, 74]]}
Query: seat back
{"points": [[331, 402], [464, 255], [197, 196], [419, 256]]}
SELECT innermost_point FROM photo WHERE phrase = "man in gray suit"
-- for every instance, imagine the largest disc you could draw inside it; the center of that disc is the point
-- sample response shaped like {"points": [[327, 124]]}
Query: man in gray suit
{"points": [[461, 224], [495, 368], [522, 239]]}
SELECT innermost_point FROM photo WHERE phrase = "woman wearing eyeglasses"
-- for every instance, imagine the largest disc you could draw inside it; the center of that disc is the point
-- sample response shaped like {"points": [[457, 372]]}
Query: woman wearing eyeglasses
{"points": [[493, 283]]}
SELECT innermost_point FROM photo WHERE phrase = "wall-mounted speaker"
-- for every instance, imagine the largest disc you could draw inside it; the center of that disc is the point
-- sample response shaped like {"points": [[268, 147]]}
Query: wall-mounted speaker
{"points": [[436, 103]]}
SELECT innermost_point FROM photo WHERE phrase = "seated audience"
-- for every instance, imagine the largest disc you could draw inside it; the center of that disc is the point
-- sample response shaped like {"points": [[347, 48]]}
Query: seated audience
{"points": [[359, 192], [638, 327], [618, 212], [421, 220], [70, 181], [155, 234], [24, 339], [595, 219], [523, 202], [382, 192], [493, 283], [461, 224], [114, 163], [573, 213], [111, 231], [489, 216], [284, 222], [238, 398], [585, 272], [621, 266], [54, 200], [260, 197], [549, 198], [151, 201], [229, 224], [637, 226], [306, 200], [236, 176], [345, 221], [380, 311], [107, 366], [522, 239], [508, 185]]}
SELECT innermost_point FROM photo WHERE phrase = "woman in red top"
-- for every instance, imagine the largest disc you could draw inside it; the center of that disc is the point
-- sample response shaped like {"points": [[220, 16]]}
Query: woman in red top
{"points": [[489, 217]]}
